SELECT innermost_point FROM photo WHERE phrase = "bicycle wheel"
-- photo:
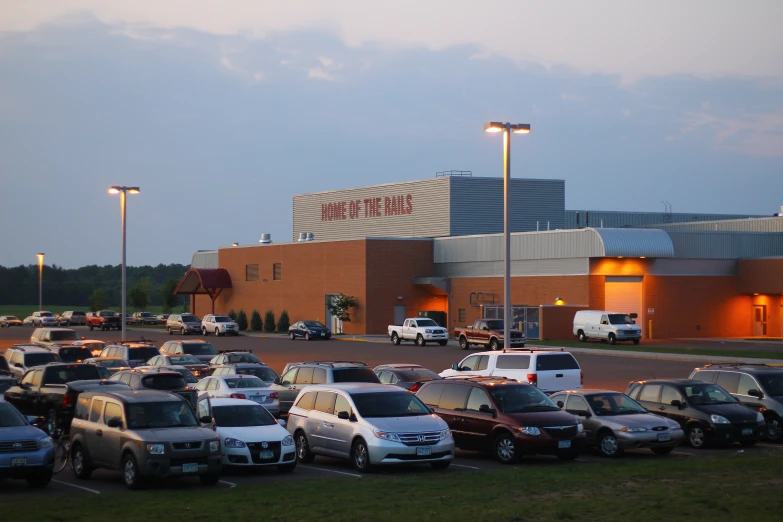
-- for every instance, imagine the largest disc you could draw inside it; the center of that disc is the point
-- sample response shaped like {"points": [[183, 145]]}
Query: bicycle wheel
{"points": [[61, 449]]}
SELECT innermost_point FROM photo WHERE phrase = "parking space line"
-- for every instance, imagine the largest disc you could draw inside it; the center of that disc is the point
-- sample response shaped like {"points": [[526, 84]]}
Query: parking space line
{"points": [[769, 446], [78, 487], [464, 466], [331, 471], [227, 483], [682, 453]]}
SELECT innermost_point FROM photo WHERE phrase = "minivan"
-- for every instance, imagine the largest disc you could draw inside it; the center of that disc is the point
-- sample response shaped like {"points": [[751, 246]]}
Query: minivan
{"points": [[610, 327]]}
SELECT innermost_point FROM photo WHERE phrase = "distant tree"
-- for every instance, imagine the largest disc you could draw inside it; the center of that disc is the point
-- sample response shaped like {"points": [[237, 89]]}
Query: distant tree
{"points": [[232, 315], [340, 307], [139, 297], [269, 321], [98, 300], [186, 306], [284, 322], [255, 322], [241, 320], [167, 295]]}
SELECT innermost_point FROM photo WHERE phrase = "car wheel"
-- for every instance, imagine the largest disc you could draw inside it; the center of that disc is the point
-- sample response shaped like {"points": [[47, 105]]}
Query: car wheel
{"points": [[774, 429], [39, 480], [463, 343], [182, 331], [494, 345], [130, 472], [307, 337], [395, 339], [441, 464], [506, 449], [663, 451], [52, 423], [90, 326], [80, 463], [303, 452], [608, 445], [292, 336], [286, 468], [582, 336], [636, 341], [169, 331], [696, 437], [210, 479], [443, 343], [204, 331], [360, 456], [612, 339], [217, 331], [420, 340], [67, 323]]}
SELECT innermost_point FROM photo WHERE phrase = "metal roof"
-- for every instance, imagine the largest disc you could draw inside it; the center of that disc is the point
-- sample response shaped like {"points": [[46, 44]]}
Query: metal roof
{"points": [[764, 224], [635, 242]]}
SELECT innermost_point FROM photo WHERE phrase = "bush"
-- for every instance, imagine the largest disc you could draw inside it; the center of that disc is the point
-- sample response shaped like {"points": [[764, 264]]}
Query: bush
{"points": [[241, 320], [255, 321], [284, 322], [269, 321], [232, 315]]}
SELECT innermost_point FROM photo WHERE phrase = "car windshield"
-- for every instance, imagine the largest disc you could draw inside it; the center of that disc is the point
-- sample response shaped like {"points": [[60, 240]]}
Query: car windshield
{"points": [[189, 377], [242, 416], [244, 358], [262, 372], [389, 404], [74, 314], [74, 354], [199, 349], [313, 324], [113, 363], [419, 375], [37, 359], [145, 314], [47, 314], [190, 319], [521, 399], [73, 372], [706, 395], [608, 404], [143, 354], [107, 314], [495, 325], [63, 336], [248, 382], [772, 383], [163, 382], [10, 416], [171, 414], [11, 318], [355, 375], [426, 322], [620, 319], [184, 359], [222, 319]]}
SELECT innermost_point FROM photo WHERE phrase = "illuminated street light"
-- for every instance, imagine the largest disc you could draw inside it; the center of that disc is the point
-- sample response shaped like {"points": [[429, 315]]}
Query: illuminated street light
{"points": [[40, 257], [123, 191]]}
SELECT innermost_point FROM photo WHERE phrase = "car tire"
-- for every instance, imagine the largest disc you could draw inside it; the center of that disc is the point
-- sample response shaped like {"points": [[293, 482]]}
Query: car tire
{"points": [[169, 331], [696, 437], [217, 331], [505, 449], [663, 451], [182, 331], [39, 480], [420, 340], [636, 342], [286, 468], [582, 337], [292, 336], [204, 331], [303, 453], [131, 476], [395, 339], [443, 343], [494, 345], [567, 455], [52, 423], [80, 463], [608, 446], [360, 456], [463, 343], [774, 431], [307, 336], [210, 479], [90, 326], [441, 464], [612, 339]]}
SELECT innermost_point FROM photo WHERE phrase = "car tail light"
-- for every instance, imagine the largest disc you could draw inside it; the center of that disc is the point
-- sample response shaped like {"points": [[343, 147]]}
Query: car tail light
{"points": [[415, 387], [67, 400], [273, 395], [532, 378], [238, 396], [581, 377]]}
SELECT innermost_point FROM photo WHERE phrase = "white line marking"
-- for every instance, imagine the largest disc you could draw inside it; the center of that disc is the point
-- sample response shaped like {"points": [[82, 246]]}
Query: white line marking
{"points": [[331, 471], [227, 482], [464, 466], [769, 446], [682, 453], [75, 486]]}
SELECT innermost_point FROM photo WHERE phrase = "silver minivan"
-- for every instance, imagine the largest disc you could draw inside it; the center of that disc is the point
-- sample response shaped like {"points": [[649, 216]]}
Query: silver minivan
{"points": [[370, 424]]}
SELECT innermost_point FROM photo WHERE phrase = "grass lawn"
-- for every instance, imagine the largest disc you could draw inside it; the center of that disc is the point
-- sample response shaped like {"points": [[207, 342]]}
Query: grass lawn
{"points": [[732, 486], [662, 349], [22, 311]]}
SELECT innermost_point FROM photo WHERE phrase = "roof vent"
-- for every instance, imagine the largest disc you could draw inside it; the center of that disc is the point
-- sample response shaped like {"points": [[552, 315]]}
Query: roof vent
{"points": [[302, 237], [310, 236], [265, 239]]}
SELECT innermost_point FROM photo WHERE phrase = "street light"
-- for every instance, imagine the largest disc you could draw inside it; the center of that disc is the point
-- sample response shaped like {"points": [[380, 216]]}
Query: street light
{"points": [[123, 191], [40, 256], [506, 129]]}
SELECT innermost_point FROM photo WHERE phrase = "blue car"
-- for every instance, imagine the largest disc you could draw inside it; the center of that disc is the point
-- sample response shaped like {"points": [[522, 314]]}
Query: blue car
{"points": [[309, 330], [25, 451]]}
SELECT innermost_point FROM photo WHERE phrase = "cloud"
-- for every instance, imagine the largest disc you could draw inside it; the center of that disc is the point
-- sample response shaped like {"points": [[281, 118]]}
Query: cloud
{"points": [[319, 74], [753, 134]]}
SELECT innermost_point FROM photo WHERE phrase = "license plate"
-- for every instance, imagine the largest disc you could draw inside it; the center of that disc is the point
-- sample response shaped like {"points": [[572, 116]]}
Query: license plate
{"points": [[190, 468], [21, 461], [258, 398], [561, 444], [423, 451], [267, 454], [747, 431], [662, 437]]}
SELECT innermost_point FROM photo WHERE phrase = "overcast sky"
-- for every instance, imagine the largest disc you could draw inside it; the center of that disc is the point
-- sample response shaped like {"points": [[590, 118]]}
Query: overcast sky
{"points": [[222, 111]]}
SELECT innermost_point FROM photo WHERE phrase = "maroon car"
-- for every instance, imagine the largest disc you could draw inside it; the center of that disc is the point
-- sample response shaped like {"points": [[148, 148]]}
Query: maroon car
{"points": [[505, 417]]}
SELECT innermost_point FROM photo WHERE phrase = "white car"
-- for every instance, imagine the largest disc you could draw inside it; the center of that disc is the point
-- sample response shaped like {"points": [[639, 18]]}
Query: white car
{"points": [[249, 435], [28, 321], [218, 325], [238, 386], [549, 370], [44, 318]]}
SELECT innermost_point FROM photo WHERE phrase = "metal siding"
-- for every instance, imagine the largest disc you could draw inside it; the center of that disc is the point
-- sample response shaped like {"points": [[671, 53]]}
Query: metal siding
{"points": [[635, 242], [693, 244], [205, 259], [621, 219], [430, 216], [533, 267], [477, 205], [692, 267], [764, 224]]}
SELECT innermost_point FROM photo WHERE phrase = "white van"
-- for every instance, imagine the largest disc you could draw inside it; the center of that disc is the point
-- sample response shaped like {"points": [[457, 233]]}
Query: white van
{"points": [[606, 326]]}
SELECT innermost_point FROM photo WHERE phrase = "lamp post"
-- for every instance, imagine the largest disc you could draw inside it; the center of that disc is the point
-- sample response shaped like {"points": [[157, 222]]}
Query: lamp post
{"points": [[40, 256], [507, 129], [123, 192]]}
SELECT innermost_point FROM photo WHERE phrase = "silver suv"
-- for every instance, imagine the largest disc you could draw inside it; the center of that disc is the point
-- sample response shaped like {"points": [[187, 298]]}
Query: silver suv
{"points": [[183, 324], [73, 317], [219, 325], [370, 424], [22, 357], [54, 336], [142, 434]]}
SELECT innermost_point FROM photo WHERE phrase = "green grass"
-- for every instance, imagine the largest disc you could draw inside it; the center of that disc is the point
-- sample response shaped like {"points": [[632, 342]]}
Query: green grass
{"points": [[732, 486], [22, 311], [663, 349]]}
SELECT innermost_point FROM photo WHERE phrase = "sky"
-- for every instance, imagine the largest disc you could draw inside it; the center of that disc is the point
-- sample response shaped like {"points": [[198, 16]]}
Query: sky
{"points": [[222, 111]]}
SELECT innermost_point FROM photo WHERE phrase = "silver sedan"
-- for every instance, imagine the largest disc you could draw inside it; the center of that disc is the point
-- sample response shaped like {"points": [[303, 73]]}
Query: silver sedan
{"points": [[614, 422], [237, 386]]}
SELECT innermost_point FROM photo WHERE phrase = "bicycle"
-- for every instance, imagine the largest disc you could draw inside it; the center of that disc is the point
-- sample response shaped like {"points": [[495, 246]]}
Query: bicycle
{"points": [[62, 450]]}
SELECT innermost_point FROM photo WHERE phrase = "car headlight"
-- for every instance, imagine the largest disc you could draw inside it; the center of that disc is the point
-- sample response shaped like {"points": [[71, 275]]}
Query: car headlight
{"points": [[530, 430], [428, 331], [231, 443], [214, 445], [633, 430], [385, 435], [579, 427], [760, 418], [445, 434], [288, 441], [156, 449], [718, 419], [46, 442]]}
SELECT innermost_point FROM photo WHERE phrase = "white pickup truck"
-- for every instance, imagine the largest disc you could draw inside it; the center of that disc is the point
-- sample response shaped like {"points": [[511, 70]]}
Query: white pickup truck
{"points": [[420, 330]]}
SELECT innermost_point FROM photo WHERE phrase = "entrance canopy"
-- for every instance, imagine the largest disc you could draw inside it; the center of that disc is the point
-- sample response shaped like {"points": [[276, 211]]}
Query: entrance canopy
{"points": [[209, 281]]}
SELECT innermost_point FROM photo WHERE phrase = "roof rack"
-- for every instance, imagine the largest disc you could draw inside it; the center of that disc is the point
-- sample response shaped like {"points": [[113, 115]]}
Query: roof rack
{"points": [[325, 363], [234, 351], [479, 377], [530, 350], [139, 341]]}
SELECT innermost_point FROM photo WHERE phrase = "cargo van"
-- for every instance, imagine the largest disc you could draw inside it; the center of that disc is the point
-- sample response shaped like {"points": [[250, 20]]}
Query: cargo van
{"points": [[612, 327]]}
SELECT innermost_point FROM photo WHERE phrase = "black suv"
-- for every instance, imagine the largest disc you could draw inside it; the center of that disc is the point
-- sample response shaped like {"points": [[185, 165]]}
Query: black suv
{"points": [[704, 410], [757, 386]]}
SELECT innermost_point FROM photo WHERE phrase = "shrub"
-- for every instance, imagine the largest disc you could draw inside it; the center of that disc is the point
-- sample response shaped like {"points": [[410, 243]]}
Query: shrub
{"points": [[232, 315], [255, 321], [269, 321], [284, 322], [241, 320]]}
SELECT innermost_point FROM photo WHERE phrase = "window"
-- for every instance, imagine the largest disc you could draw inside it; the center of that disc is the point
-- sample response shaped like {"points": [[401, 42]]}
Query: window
{"points": [[113, 411], [512, 362], [95, 411], [483, 361], [251, 272], [454, 397], [462, 315], [476, 399], [305, 376], [289, 377], [324, 402], [307, 401], [728, 381], [203, 408], [385, 377], [576, 405], [650, 393], [746, 383], [430, 394], [82, 409], [213, 385], [670, 394], [202, 386], [277, 272], [37, 376], [354, 375], [28, 378], [342, 404], [704, 376], [559, 361], [470, 363]]}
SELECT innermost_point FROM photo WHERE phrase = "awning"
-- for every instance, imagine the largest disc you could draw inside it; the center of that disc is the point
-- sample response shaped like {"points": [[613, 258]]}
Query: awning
{"points": [[436, 285], [209, 281]]}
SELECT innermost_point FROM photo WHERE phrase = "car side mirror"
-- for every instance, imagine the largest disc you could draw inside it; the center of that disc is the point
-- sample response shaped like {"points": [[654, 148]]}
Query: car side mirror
{"points": [[277, 381], [756, 393], [484, 408], [18, 365], [344, 415], [560, 404], [32, 421], [114, 422], [206, 419], [285, 383], [83, 338], [455, 366]]}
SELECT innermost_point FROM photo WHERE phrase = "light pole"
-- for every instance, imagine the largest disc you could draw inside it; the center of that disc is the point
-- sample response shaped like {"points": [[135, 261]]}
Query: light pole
{"points": [[506, 129], [40, 256], [123, 192]]}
